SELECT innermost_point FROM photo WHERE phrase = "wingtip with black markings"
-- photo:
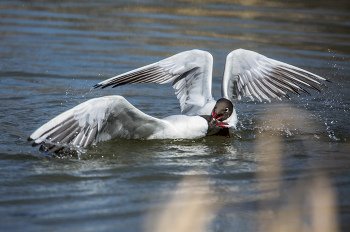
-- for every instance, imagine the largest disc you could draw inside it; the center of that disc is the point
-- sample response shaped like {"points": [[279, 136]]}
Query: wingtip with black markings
{"points": [[97, 86]]}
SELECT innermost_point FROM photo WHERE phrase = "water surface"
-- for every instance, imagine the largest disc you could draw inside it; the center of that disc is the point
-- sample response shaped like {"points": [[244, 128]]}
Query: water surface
{"points": [[53, 52]]}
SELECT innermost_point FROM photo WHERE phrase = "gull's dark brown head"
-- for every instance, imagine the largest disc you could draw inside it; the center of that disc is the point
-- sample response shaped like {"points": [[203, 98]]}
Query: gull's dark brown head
{"points": [[222, 110]]}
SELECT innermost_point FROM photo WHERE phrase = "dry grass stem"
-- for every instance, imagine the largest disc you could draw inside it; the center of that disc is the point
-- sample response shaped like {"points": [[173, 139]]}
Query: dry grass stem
{"points": [[189, 209]]}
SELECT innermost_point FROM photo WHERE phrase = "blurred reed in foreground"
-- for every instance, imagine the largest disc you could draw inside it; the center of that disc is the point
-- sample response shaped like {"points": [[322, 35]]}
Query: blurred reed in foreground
{"points": [[309, 207], [190, 209]]}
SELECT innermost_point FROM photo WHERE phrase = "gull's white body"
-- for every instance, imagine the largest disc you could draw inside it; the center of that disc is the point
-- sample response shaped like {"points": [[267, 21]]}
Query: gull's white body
{"points": [[104, 118], [247, 74]]}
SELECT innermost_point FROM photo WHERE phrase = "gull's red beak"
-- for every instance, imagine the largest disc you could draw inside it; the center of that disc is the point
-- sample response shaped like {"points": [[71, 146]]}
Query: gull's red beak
{"points": [[215, 117], [222, 124]]}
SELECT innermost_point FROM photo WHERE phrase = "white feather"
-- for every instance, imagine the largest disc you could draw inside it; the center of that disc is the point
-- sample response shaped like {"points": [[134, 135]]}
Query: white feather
{"points": [[244, 68], [247, 74], [194, 70], [110, 117]]}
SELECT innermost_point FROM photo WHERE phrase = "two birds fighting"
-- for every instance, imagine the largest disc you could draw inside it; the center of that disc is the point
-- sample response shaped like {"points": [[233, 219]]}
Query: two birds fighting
{"points": [[247, 74]]}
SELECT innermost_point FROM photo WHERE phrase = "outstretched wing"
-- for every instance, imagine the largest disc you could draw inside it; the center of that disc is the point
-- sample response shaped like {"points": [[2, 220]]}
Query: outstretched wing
{"points": [[96, 120], [249, 74], [190, 71]]}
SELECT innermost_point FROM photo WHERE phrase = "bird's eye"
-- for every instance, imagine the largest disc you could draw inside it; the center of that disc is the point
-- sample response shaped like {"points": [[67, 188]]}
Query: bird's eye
{"points": [[226, 110]]}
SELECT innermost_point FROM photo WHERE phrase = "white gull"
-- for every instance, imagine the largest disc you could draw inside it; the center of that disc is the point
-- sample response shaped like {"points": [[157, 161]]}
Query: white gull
{"points": [[247, 74]]}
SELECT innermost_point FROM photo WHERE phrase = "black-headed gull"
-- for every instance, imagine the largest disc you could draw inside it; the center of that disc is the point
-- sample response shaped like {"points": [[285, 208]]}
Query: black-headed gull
{"points": [[247, 74]]}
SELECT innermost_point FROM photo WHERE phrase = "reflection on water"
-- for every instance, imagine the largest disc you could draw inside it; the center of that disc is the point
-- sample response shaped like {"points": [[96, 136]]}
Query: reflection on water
{"points": [[52, 52]]}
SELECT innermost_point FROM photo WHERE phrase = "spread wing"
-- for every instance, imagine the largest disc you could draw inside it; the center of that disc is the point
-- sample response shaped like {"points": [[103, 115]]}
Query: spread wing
{"points": [[190, 71], [249, 74], [96, 120]]}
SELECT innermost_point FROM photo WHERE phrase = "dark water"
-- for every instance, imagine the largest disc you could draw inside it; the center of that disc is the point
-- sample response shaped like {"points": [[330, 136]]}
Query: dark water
{"points": [[53, 52]]}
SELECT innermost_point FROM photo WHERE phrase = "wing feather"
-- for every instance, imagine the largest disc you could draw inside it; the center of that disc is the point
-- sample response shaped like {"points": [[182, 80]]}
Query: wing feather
{"points": [[249, 74], [190, 72], [93, 121]]}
